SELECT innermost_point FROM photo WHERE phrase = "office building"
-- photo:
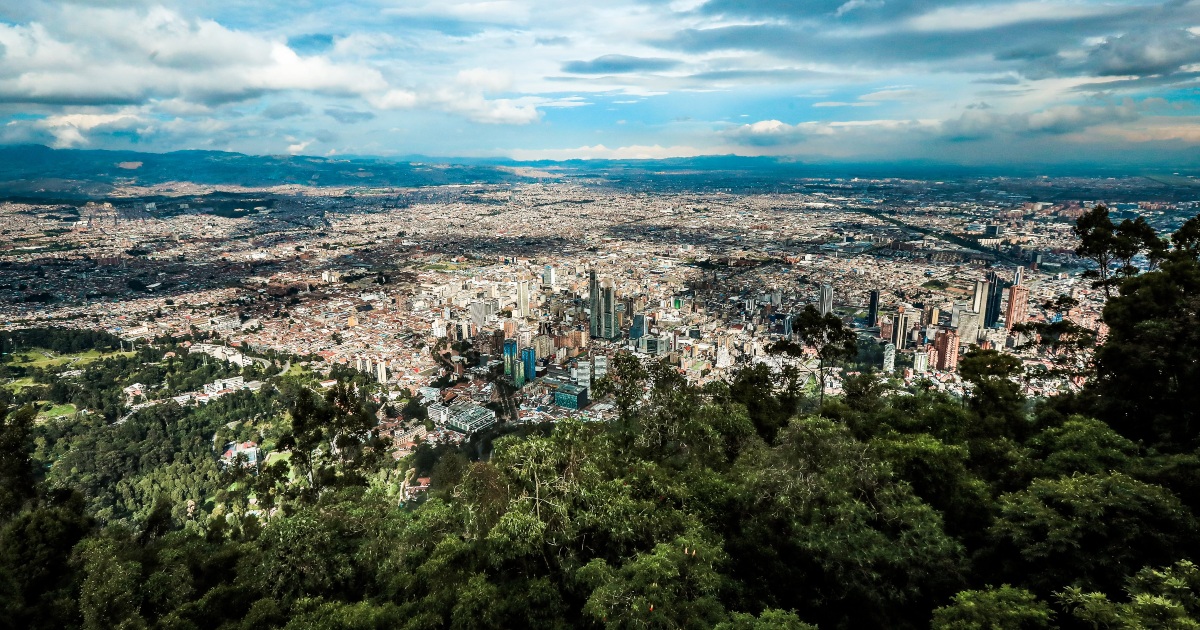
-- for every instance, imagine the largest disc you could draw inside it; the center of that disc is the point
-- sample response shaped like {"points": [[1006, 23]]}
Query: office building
{"points": [[968, 327], [979, 297], [921, 362], [529, 363], [593, 303], [523, 298], [889, 358], [825, 303], [549, 277], [873, 309], [991, 313], [510, 357], [638, 329], [571, 396], [607, 324], [900, 326]]}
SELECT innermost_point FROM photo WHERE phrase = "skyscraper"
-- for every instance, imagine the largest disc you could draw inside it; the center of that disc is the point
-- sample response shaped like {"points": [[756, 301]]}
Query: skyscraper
{"points": [[606, 321], [968, 327], [826, 300], [889, 358], [873, 309], [529, 362], [787, 326], [946, 344], [979, 298], [510, 357], [1018, 306], [549, 277], [900, 326], [593, 303], [523, 298], [991, 313], [638, 329]]}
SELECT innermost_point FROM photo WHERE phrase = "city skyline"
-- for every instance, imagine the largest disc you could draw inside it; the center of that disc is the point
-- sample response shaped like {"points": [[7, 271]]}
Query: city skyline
{"points": [[1041, 82]]}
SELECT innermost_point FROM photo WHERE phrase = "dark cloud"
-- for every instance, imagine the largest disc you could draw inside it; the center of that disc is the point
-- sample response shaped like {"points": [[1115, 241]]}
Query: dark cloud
{"points": [[1142, 53], [552, 41], [619, 64], [348, 116], [976, 124], [279, 111]]}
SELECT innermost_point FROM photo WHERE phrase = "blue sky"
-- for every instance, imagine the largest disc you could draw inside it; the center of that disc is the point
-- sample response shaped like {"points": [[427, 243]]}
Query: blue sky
{"points": [[968, 82]]}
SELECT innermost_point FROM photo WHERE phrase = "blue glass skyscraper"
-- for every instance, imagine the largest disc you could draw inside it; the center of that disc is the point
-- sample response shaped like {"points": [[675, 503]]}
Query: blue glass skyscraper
{"points": [[529, 362], [510, 357]]}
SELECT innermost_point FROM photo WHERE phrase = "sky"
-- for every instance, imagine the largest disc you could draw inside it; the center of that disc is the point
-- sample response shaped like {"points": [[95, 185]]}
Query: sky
{"points": [[977, 82]]}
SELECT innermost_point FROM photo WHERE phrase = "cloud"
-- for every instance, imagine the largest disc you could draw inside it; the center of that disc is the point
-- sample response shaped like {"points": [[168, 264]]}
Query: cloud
{"points": [[1147, 52], [1063, 119], [348, 116], [618, 64], [601, 152], [279, 111], [845, 104], [68, 130], [125, 56]]}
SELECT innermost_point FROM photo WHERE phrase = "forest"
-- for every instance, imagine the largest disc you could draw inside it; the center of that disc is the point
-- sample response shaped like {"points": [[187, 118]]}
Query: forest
{"points": [[742, 505]]}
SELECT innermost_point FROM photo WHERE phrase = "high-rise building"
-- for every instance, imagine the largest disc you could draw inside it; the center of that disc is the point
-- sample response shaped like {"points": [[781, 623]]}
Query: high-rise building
{"points": [[889, 358], [946, 344], [900, 326], [825, 303], [593, 303], [968, 327], [991, 314], [523, 298], [921, 362], [529, 362], [873, 309], [930, 316], [979, 298], [638, 329], [1018, 306], [1019, 276], [607, 324], [787, 326], [549, 277], [510, 357]]}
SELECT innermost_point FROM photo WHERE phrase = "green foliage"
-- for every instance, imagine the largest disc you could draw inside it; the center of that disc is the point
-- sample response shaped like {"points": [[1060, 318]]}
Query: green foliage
{"points": [[737, 505], [1004, 608], [1166, 598], [1090, 529]]}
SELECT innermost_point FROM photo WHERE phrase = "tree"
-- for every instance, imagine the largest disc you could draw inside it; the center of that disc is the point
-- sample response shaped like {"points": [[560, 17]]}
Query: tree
{"points": [[827, 334], [1097, 239], [1158, 598], [1089, 530], [1146, 370], [16, 466], [1003, 608]]}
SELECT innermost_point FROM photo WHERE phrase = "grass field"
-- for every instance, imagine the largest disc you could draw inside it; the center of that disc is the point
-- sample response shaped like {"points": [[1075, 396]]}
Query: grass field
{"points": [[48, 358], [57, 411]]}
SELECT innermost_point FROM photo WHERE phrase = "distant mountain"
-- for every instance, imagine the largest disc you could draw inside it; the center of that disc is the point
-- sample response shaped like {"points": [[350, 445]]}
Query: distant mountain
{"points": [[41, 172], [34, 170]]}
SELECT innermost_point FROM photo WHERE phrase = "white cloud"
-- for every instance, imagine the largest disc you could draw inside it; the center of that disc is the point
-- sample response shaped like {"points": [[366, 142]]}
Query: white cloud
{"points": [[601, 152], [984, 16]]}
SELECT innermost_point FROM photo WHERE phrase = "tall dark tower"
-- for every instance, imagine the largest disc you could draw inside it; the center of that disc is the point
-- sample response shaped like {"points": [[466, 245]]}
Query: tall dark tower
{"points": [[995, 293], [593, 304], [873, 309]]}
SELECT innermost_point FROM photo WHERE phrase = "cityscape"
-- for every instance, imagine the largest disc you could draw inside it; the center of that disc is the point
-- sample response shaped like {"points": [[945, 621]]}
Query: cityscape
{"points": [[514, 314]]}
